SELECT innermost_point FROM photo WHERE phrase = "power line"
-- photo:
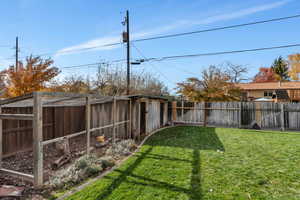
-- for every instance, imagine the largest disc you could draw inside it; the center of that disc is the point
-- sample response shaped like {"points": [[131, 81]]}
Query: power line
{"points": [[183, 56], [178, 34], [218, 28], [91, 64], [222, 52], [154, 67], [182, 70]]}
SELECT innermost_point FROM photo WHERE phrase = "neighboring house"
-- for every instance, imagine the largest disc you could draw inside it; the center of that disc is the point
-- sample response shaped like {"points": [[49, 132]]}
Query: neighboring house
{"points": [[271, 91]]}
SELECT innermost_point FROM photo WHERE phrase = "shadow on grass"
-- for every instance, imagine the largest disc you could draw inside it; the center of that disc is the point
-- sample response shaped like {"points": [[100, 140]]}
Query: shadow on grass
{"points": [[193, 138], [116, 182], [275, 132]]}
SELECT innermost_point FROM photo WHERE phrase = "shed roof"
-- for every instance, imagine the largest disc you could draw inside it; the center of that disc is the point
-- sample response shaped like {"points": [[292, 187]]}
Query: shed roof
{"points": [[147, 96], [62, 101]]}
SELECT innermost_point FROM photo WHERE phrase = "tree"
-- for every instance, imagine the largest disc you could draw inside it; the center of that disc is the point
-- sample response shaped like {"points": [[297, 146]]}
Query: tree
{"points": [[112, 81], [281, 69], [265, 74], [2, 84], [214, 85], [236, 72], [294, 62], [72, 83], [109, 81], [33, 76]]}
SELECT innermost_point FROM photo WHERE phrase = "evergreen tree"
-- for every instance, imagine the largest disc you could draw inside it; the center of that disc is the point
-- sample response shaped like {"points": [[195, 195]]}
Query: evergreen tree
{"points": [[281, 69]]}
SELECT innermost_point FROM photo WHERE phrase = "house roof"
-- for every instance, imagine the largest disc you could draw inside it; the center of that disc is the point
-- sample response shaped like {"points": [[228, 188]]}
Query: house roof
{"points": [[291, 85]]}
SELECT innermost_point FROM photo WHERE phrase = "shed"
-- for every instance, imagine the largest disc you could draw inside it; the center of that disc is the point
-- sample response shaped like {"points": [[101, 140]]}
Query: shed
{"points": [[149, 114]]}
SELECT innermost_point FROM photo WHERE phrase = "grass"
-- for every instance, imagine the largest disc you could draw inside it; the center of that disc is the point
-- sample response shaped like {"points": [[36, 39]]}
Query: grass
{"points": [[206, 163]]}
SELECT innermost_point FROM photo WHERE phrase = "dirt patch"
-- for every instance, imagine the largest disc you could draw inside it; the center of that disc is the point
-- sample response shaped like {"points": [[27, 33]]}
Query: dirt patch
{"points": [[23, 162]]}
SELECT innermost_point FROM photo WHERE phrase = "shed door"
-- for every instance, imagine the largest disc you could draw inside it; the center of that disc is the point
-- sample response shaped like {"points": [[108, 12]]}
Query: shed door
{"points": [[162, 109], [143, 118]]}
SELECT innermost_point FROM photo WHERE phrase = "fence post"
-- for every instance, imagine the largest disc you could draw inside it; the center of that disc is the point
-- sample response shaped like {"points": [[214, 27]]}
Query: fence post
{"points": [[1, 139], [129, 118], [138, 102], [174, 111], [240, 114], [282, 117], [114, 120], [165, 113], [195, 113], [182, 105], [37, 139], [205, 115], [88, 122]]}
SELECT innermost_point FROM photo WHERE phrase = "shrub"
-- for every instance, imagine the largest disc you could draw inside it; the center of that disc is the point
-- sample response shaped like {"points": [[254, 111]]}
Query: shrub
{"points": [[91, 165], [81, 169], [92, 170], [122, 148], [81, 164], [107, 162]]}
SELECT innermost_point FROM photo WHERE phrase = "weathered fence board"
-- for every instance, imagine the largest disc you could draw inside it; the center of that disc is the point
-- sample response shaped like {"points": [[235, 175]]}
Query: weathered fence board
{"points": [[58, 122], [268, 115], [153, 119]]}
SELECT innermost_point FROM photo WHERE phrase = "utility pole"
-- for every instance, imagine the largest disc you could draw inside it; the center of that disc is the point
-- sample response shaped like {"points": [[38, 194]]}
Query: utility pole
{"points": [[17, 53], [126, 39]]}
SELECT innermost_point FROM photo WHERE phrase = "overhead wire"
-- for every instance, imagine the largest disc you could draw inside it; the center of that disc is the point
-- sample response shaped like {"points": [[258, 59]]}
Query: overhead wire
{"points": [[186, 55], [182, 34], [154, 67], [180, 69], [175, 35], [222, 52], [218, 28], [183, 56]]}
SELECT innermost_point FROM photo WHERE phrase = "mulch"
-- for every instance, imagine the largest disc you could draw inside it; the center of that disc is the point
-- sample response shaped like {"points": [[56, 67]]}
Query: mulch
{"points": [[23, 162]]}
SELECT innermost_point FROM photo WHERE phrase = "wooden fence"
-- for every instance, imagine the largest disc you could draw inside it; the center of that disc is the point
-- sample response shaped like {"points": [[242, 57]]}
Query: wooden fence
{"points": [[267, 115], [33, 127], [23, 128], [58, 121], [35, 120]]}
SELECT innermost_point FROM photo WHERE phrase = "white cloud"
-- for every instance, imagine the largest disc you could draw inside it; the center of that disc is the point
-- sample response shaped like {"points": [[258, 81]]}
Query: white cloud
{"points": [[228, 16], [91, 45], [99, 43], [241, 13]]}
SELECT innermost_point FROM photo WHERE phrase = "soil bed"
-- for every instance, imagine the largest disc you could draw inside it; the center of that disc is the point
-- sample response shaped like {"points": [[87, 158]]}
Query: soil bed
{"points": [[23, 162]]}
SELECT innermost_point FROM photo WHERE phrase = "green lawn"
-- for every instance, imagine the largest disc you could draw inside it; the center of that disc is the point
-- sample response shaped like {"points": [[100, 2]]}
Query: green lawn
{"points": [[206, 163]]}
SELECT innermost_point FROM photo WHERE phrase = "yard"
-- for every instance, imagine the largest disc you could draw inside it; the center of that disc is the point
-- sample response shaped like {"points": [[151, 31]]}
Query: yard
{"points": [[206, 163]]}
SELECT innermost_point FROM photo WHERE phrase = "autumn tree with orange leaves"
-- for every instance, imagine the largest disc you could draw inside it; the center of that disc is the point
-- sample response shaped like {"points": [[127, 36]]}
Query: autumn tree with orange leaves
{"points": [[215, 85], [265, 74], [32, 76], [294, 62]]}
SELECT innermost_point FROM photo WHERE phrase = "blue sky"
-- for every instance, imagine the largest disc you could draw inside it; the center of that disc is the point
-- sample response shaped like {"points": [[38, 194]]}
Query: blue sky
{"points": [[57, 26]]}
